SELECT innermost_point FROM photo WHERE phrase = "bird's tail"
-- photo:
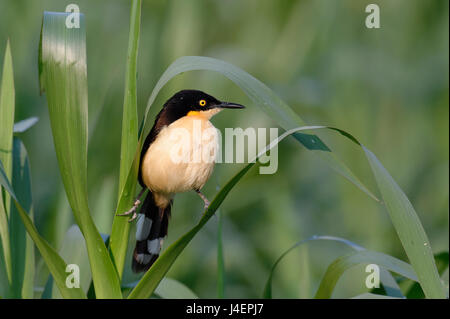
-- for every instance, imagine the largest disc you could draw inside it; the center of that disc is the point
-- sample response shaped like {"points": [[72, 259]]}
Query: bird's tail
{"points": [[151, 228]]}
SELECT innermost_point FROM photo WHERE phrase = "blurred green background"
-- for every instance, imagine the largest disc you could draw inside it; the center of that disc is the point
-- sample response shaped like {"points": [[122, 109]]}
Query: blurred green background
{"points": [[388, 87]]}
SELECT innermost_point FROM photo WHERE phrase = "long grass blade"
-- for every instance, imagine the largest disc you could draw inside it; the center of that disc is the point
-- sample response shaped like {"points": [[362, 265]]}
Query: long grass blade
{"points": [[7, 106], [121, 228], [54, 262], [63, 75], [442, 260], [264, 98], [341, 264], [409, 229], [386, 278]]}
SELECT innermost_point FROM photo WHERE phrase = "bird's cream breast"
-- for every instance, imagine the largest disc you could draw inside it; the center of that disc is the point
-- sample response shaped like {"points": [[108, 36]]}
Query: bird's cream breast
{"points": [[182, 156]]}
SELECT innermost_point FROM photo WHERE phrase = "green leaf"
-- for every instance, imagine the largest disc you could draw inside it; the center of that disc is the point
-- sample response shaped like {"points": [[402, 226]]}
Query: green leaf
{"points": [[409, 229], [121, 227], [23, 252], [386, 278], [7, 100], [63, 75], [25, 125], [441, 259], [341, 264], [54, 262]]}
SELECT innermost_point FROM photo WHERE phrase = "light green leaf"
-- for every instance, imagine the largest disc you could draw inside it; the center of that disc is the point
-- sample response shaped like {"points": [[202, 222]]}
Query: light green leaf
{"points": [[409, 229], [121, 227], [63, 75], [414, 291], [54, 262], [386, 278], [341, 264], [7, 100]]}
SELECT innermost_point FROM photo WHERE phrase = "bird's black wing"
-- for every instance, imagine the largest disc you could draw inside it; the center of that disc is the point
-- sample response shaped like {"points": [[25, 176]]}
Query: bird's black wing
{"points": [[160, 122], [168, 114]]}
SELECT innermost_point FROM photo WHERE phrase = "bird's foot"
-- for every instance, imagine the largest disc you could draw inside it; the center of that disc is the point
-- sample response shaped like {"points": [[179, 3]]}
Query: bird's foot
{"points": [[132, 211], [203, 197], [207, 202]]}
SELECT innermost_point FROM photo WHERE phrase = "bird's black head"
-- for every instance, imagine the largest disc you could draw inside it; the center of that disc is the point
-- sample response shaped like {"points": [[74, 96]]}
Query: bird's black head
{"points": [[194, 102]]}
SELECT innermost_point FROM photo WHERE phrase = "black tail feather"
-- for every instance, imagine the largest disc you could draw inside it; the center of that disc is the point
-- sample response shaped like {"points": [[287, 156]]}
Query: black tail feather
{"points": [[151, 228]]}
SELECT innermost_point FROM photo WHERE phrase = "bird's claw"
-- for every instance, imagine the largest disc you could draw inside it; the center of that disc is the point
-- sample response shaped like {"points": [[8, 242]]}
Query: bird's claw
{"points": [[132, 217], [132, 211]]}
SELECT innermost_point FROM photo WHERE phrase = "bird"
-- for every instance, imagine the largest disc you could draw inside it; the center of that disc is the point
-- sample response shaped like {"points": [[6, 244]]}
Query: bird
{"points": [[171, 162]]}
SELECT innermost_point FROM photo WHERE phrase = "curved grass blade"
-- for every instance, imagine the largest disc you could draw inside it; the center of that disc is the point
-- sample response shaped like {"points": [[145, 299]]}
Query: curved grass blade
{"points": [[54, 262], [7, 106], [23, 252], [388, 281], [264, 98], [441, 259], [121, 227], [341, 264], [409, 229], [63, 75]]}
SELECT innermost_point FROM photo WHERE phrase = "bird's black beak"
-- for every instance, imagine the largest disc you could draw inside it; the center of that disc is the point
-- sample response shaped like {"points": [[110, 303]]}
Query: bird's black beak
{"points": [[228, 105]]}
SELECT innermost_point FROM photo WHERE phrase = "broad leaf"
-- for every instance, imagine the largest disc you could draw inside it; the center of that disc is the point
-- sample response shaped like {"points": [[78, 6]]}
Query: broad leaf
{"points": [[63, 75]]}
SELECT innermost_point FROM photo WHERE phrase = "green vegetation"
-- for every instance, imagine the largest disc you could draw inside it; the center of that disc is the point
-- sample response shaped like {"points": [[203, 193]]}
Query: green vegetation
{"points": [[384, 86]]}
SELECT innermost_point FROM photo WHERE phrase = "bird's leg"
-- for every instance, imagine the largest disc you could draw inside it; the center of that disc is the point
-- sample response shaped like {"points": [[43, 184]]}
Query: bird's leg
{"points": [[133, 209], [205, 200]]}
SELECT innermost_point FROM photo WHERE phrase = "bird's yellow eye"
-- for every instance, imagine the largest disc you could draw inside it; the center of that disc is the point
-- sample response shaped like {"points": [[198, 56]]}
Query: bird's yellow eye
{"points": [[202, 102]]}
